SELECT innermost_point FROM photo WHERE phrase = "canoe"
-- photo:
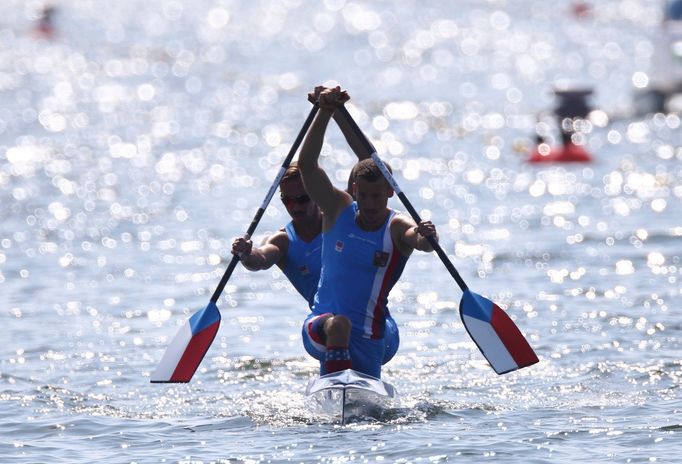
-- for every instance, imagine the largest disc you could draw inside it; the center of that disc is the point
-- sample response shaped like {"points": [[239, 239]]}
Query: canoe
{"points": [[350, 395]]}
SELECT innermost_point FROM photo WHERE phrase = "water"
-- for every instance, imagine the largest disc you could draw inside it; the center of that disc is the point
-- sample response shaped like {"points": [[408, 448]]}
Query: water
{"points": [[140, 141]]}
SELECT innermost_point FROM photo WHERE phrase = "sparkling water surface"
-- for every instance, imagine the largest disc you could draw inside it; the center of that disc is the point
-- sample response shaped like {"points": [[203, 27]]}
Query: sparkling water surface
{"points": [[139, 141]]}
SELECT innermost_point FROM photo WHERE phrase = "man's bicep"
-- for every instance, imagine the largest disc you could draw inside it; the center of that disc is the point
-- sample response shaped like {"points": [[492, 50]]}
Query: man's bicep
{"points": [[405, 231], [274, 249]]}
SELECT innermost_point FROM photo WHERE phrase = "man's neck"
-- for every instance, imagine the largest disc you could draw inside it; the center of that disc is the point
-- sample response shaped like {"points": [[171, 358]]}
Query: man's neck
{"points": [[309, 228], [370, 227]]}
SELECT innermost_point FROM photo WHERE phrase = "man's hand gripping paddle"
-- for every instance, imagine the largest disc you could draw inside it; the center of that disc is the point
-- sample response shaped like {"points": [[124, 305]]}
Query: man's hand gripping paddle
{"points": [[493, 331], [184, 354]]}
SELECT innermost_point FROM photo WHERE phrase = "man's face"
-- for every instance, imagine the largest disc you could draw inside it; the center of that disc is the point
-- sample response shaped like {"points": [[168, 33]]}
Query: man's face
{"points": [[296, 200], [372, 198]]}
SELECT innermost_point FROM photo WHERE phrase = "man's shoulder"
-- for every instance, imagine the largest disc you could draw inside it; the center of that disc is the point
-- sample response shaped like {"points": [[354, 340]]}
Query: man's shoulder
{"points": [[400, 220], [278, 238]]}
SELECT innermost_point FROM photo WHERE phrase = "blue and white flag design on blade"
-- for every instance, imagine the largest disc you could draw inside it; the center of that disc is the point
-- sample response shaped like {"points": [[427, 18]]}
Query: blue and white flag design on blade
{"points": [[496, 335], [184, 355], [186, 351]]}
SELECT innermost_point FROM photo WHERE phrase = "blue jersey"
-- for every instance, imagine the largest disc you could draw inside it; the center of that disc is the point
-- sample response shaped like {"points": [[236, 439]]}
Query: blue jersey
{"points": [[359, 270], [302, 263]]}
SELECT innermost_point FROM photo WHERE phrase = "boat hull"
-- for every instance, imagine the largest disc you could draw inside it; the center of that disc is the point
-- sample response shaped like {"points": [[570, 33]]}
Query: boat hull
{"points": [[569, 153], [349, 396]]}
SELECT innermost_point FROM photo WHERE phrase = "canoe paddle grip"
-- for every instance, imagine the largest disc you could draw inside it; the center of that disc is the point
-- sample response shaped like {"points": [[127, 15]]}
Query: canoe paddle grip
{"points": [[401, 195], [266, 200]]}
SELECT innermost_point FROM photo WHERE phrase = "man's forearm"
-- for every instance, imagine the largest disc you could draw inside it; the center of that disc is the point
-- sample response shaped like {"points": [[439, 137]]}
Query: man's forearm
{"points": [[254, 261], [310, 152], [423, 243]]}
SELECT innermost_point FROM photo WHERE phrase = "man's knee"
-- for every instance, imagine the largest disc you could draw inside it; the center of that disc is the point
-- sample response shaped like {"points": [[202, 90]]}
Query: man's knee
{"points": [[337, 326]]}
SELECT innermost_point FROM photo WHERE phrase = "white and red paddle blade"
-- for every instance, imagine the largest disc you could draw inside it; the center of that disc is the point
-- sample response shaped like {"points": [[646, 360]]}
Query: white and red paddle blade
{"points": [[495, 334], [184, 354]]}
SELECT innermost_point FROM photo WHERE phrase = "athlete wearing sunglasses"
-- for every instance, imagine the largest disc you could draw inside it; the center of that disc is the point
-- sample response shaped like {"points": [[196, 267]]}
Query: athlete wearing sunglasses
{"points": [[296, 248], [299, 200]]}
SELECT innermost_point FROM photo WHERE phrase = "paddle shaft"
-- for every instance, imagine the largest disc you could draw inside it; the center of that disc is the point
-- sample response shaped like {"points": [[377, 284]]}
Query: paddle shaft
{"points": [[266, 201], [498, 339], [413, 212]]}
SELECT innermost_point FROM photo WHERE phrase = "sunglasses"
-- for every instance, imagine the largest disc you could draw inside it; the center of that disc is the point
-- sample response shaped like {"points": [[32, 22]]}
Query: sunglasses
{"points": [[299, 200]]}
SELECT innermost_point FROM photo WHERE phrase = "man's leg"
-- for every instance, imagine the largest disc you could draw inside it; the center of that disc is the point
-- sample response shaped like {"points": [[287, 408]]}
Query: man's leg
{"points": [[337, 333], [314, 339], [392, 340]]}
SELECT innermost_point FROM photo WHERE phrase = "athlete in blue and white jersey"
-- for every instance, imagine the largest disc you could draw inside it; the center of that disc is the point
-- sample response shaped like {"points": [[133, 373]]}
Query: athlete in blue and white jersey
{"points": [[360, 268], [365, 247], [302, 263], [296, 248]]}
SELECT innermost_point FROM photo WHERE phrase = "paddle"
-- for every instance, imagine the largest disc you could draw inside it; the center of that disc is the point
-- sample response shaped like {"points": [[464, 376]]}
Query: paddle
{"points": [[184, 354], [493, 331]]}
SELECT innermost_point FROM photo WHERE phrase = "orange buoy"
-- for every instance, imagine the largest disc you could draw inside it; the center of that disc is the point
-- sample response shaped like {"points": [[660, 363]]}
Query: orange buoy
{"points": [[569, 153]]}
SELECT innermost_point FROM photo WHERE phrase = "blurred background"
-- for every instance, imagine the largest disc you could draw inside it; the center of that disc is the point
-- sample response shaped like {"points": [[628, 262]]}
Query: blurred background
{"points": [[137, 139]]}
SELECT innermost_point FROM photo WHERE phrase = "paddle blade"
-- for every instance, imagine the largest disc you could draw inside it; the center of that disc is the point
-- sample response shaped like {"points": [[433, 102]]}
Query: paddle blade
{"points": [[184, 354], [495, 334]]}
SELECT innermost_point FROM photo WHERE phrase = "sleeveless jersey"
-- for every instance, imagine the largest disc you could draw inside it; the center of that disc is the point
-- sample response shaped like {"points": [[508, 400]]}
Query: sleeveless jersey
{"points": [[302, 264], [359, 270]]}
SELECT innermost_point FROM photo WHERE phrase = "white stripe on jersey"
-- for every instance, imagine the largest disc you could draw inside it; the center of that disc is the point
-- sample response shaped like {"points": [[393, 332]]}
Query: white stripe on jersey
{"points": [[378, 279]]}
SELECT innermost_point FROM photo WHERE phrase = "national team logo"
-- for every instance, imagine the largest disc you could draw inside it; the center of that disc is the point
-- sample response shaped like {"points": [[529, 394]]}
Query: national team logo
{"points": [[380, 258], [303, 270], [339, 246]]}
